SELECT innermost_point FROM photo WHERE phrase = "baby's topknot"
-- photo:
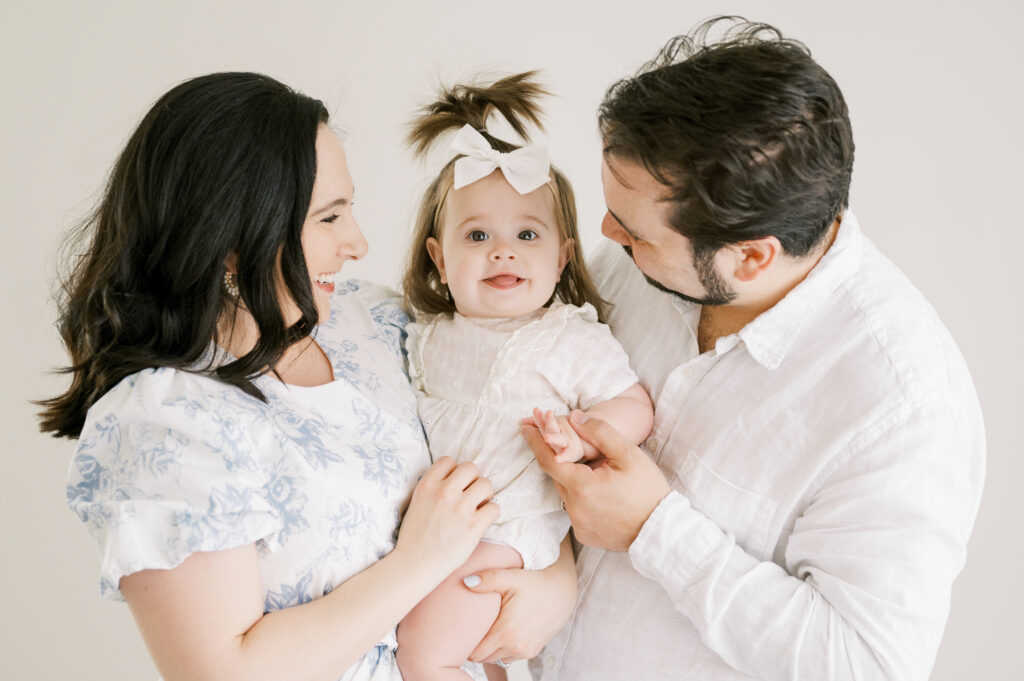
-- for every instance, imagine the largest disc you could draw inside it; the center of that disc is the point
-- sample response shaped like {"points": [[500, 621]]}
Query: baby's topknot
{"points": [[514, 97]]}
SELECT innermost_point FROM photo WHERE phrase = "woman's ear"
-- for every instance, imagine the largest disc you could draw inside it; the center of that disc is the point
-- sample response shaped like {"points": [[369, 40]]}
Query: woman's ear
{"points": [[437, 255], [231, 262]]}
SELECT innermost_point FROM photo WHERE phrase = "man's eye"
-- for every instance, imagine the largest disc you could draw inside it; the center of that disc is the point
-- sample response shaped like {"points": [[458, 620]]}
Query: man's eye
{"points": [[477, 235], [528, 235]]}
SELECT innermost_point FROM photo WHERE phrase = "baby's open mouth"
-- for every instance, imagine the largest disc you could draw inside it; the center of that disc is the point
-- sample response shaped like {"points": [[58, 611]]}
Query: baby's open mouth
{"points": [[503, 281]]}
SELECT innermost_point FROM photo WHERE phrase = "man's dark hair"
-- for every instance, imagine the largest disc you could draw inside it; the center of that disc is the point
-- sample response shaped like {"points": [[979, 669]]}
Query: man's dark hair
{"points": [[749, 135]]}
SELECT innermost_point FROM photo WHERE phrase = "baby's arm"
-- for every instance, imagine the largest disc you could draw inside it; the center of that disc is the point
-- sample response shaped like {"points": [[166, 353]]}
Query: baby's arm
{"points": [[630, 412]]}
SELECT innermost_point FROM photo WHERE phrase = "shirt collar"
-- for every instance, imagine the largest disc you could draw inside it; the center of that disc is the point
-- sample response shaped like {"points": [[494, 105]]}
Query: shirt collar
{"points": [[769, 337]]}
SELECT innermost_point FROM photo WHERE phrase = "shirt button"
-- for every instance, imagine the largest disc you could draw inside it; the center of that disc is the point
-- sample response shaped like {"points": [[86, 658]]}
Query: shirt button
{"points": [[652, 444], [688, 372], [549, 661]]}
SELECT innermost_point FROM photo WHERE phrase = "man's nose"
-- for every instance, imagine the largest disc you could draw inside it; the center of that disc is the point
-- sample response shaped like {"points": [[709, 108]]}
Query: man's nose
{"points": [[611, 228]]}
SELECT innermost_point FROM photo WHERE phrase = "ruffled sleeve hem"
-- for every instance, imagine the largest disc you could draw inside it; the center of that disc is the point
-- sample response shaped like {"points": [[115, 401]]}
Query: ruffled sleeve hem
{"points": [[170, 463], [417, 335], [133, 547]]}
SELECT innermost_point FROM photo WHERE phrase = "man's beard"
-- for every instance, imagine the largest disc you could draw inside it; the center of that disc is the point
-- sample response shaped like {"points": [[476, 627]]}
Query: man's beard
{"points": [[717, 291]]}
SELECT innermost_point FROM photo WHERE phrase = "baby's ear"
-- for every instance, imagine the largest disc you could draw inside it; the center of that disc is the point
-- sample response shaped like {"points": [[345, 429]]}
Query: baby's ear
{"points": [[565, 254], [437, 255]]}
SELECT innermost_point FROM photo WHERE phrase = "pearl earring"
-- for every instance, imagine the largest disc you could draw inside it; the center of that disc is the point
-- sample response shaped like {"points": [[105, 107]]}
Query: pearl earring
{"points": [[230, 285]]}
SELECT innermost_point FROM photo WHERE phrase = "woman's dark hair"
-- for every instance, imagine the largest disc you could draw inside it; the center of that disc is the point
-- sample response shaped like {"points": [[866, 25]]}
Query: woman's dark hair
{"points": [[749, 135], [514, 98], [222, 163]]}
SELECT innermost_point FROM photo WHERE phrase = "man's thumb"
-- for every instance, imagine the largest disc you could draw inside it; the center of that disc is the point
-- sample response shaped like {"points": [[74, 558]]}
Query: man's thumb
{"points": [[599, 433]]}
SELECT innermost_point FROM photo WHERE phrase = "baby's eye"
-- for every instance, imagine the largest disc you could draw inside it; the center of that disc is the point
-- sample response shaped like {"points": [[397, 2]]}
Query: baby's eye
{"points": [[477, 235], [528, 235]]}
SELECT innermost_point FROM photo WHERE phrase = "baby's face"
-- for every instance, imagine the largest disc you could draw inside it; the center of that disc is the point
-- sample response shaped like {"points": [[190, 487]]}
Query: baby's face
{"points": [[499, 252]]}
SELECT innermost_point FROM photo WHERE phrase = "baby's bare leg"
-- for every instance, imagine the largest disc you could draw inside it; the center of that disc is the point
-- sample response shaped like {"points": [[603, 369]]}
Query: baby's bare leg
{"points": [[438, 634]]}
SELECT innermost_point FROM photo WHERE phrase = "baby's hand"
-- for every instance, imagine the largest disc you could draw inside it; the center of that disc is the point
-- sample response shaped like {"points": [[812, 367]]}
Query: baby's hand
{"points": [[559, 435]]}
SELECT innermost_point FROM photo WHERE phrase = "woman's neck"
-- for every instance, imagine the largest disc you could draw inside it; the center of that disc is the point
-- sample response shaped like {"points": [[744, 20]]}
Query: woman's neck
{"points": [[303, 363]]}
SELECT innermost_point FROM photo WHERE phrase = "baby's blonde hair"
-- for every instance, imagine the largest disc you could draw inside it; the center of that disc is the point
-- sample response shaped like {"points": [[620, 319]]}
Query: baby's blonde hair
{"points": [[514, 97]]}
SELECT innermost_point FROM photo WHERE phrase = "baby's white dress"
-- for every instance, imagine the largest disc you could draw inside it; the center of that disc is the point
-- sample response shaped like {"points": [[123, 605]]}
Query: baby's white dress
{"points": [[477, 378]]}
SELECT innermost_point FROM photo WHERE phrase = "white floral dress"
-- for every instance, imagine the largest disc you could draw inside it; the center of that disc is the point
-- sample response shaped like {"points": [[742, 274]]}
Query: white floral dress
{"points": [[478, 378], [171, 462]]}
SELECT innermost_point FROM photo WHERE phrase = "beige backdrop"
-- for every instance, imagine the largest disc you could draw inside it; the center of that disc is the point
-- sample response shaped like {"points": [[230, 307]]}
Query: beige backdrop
{"points": [[934, 90]]}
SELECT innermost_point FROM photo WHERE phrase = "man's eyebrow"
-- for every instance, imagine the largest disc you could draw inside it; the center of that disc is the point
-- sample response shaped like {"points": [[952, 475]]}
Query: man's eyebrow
{"points": [[623, 224]]}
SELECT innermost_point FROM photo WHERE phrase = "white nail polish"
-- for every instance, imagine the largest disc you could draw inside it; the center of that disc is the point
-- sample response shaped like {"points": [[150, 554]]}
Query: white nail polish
{"points": [[471, 581]]}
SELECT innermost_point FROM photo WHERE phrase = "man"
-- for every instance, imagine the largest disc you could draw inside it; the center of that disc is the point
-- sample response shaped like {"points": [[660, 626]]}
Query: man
{"points": [[803, 503]]}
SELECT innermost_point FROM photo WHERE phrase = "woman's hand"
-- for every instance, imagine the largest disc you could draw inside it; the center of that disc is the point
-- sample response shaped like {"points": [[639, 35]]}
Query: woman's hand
{"points": [[204, 619], [449, 511], [534, 606]]}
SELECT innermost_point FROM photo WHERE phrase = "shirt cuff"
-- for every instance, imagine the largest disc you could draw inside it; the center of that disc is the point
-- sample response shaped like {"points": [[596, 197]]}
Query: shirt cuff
{"points": [[673, 542]]}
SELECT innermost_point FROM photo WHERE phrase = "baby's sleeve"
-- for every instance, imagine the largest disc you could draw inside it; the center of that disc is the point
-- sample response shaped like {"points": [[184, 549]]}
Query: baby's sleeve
{"points": [[169, 464], [590, 366]]}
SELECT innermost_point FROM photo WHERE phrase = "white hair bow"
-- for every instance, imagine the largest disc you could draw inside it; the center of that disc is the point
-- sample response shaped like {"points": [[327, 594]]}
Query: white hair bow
{"points": [[525, 169]]}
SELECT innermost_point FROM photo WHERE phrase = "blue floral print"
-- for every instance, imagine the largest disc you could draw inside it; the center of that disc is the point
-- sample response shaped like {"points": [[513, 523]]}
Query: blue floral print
{"points": [[172, 462]]}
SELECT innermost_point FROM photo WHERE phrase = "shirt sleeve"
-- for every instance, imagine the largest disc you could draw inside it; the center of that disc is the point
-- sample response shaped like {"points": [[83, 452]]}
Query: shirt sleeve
{"points": [[590, 366], [169, 464], [868, 570]]}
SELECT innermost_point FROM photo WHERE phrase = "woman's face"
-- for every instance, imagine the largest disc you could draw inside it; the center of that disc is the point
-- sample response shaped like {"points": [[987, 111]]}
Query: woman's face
{"points": [[330, 235]]}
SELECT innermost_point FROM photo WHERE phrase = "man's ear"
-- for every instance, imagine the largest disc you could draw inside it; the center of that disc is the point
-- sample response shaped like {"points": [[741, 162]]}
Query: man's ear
{"points": [[231, 262], [437, 255], [753, 258]]}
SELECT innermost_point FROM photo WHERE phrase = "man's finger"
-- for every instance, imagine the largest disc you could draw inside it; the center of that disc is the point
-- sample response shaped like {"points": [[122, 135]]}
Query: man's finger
{"points": [[602, 435], [564, 474]]}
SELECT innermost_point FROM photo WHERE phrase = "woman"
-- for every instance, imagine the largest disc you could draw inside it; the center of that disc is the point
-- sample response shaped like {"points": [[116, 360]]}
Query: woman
{"points": [[247, 435]]}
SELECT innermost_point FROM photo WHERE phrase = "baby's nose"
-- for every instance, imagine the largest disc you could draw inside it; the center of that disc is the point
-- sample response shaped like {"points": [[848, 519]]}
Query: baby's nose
{"points": [[503, 251]]}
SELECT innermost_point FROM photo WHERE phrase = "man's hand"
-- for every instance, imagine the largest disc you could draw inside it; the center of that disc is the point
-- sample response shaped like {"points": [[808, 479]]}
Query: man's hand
{"points": [[609, 502], [561, 437]]}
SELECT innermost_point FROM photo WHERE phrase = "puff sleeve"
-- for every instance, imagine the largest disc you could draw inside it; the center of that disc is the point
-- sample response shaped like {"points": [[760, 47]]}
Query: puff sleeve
{"points": [[170, 463], [587, 364]]}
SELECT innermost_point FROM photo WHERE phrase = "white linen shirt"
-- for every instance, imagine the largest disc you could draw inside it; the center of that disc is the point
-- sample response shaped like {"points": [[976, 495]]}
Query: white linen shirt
{"points": [[826, 464]]}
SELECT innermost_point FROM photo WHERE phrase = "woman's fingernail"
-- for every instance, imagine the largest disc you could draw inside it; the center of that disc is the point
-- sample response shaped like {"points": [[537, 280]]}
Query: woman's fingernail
{"points": [[471, 581]]}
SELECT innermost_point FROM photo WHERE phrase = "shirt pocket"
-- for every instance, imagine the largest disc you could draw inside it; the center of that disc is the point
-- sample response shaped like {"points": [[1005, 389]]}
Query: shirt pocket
{"points": [[745, 515]]}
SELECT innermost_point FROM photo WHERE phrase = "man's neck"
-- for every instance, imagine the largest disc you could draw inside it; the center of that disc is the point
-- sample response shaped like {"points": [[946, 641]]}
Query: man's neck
{"points": [[718, 321]]}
